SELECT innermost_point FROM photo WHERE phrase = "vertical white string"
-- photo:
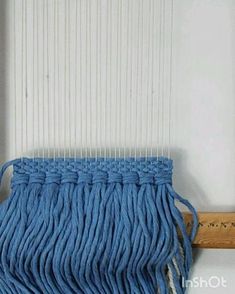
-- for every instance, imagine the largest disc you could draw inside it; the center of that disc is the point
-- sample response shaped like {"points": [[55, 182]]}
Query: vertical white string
{"points": [[58, 80], [43, 81], [137, 78], [97, 99], [81, 78], [65, 78], [159, 80], [117, 83], [33, 95], [120, 80], [102, 145], [108, 16], [26, 78], [38, 75], [121, 87], [131, 53], [86, 81], [163, 82], [69, 81], [170, 75], [148, 84], [126, 98], [48, 80], [75, 79], [22, 80], [110, 72], [90, 83], [55, 105], [141, 97], [152, 89], [14, 80]]}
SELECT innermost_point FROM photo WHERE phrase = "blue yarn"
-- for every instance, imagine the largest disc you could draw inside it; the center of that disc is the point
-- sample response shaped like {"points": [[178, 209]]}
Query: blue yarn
{"points": [[10, 231], [93, 226]]}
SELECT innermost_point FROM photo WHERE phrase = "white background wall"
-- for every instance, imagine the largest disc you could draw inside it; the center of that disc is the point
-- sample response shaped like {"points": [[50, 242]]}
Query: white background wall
{"points": [[203, 116], [204, 124]]}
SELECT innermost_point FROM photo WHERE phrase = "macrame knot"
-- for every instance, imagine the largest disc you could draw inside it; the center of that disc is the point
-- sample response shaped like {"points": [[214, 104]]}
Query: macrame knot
{"points": [[99, 177], [84, 178], [19, 179], [38, 178], [146, 178], [53, 178], [69, 177], [131, 178], [115, 178], [161, 180]]}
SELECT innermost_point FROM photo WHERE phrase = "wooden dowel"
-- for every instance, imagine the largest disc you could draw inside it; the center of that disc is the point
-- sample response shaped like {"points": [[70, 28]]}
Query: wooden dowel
{"points": [[215, 230]]}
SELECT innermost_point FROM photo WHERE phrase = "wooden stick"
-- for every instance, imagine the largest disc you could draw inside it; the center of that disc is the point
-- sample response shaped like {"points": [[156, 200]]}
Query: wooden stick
{"points": [[215, 230]]}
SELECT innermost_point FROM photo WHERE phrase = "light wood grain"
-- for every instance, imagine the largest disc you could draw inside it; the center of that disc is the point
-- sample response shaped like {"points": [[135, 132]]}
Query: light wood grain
{"points": [[215, 230]]}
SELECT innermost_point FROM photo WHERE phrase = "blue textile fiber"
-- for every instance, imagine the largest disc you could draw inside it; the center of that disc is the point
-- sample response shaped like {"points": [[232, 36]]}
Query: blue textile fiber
{"points": [[93, 226]]}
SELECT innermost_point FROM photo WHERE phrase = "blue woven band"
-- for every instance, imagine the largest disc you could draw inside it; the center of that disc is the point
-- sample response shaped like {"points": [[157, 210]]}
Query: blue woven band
{"points": [[93, 170]]}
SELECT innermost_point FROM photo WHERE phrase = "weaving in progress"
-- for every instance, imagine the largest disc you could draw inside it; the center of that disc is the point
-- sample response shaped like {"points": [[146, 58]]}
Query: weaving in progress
{"points": [[91, 207]]}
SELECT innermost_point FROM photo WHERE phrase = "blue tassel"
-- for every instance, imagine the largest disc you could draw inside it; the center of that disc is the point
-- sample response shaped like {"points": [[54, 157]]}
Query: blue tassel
{"points": [[93, 226]]}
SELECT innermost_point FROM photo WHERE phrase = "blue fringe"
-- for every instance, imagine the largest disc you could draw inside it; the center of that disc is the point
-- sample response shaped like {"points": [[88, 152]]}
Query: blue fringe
{"points": [[93, 226]]}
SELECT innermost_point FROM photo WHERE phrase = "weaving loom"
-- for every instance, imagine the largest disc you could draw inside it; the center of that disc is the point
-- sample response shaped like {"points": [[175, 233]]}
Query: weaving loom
{"points": [[92, 208]]}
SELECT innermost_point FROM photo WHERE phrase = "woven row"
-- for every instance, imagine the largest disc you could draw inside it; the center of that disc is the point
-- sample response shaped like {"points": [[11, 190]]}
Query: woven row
{"points": [[161, 166]]}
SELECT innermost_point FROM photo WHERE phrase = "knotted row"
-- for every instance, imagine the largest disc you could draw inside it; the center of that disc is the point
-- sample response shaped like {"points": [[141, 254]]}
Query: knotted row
{"points": [[90, 178]]}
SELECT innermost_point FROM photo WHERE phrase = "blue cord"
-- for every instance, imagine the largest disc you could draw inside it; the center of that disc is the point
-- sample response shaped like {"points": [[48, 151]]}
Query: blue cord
{"points": [[93, 226]]}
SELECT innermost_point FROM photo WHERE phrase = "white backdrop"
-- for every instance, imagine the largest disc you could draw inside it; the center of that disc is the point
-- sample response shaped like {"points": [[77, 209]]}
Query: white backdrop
{"points": [[203, 143]]}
